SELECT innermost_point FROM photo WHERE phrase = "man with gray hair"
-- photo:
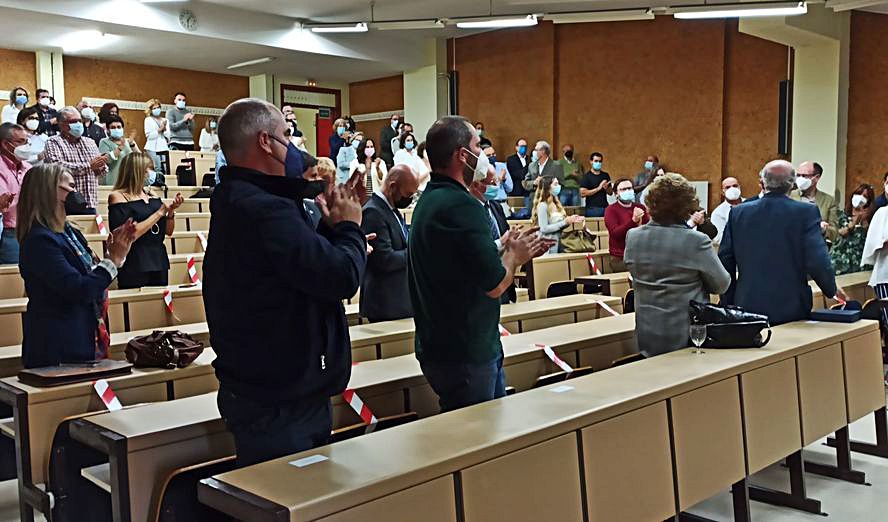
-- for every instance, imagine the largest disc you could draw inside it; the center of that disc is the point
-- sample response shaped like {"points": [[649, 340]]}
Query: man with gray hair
{"points": [[14, 150], [541, 165], [771, 246], [80, 156], [273, 288]]}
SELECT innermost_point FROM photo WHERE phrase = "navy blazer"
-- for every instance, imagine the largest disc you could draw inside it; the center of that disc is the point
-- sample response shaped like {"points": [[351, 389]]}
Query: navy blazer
{"points": [[60, 324], [770, 247], [384, 293]]}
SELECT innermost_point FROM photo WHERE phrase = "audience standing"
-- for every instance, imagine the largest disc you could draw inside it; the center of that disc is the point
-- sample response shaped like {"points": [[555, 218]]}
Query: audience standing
{"points": [[770, 247], [386, 135], [338, 138], [485, 141], [596, 187], [647, 174], [30, 121], [106, 112], [157, 132], [875, 251], [181, 124], [347, 156], [541, 165], [370, 165], [18, 99], [620, 217], [573, 175], [91, 129], [281, 359], [116, 147], [80, 156], [853, 225], [14, 152], [209, 140], [733, 197], [670, 265], [548, 213], [66, 283], [47, 113], [408, 155], [403, 128], [517, 165], [807, 178]]}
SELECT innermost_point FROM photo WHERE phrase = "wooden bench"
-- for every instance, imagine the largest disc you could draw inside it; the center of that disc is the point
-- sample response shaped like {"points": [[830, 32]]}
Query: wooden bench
{"points": [[185, 221], [201, 205], [676, 429], [616, 284], [856, 285], [545, 270]]}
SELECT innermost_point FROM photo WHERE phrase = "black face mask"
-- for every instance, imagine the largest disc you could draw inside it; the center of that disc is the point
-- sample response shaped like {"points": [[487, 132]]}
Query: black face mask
{"points": [[403, 202], [314, 189], [569, 154], [492, 159], [75, 205]]}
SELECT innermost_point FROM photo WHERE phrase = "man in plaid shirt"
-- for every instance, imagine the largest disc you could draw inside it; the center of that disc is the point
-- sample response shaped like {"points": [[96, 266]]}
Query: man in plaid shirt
{"points": [[80, 156]]}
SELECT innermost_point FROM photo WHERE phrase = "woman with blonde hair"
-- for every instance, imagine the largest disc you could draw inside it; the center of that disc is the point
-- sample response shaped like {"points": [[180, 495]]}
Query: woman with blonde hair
{"points": [[67, 317], [148, 264], [549, 214], [157, 133]]}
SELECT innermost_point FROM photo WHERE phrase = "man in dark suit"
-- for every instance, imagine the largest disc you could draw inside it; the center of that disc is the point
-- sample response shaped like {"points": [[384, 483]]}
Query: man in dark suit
{"points": [[384, 294], [385, 141], [517, 164], [770, 248], [541, 166], [485, 191]]}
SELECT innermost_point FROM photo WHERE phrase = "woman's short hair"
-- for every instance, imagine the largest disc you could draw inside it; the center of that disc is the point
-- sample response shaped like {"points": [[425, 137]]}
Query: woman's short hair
{"points": [[133, 170], [24, 114], [38, 200], [105, 112], [151, 104], [671, 199], [113, 118], [866, 190], [404, 139], [326, 168]]}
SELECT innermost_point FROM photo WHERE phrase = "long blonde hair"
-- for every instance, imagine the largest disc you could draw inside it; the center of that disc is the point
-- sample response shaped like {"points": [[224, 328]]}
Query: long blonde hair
{"points": [[38, 201], [133, 170], [543, 193]]}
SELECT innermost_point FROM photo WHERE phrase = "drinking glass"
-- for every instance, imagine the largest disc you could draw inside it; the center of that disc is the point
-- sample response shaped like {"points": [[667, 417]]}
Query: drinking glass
{"points": [[698, 337]]}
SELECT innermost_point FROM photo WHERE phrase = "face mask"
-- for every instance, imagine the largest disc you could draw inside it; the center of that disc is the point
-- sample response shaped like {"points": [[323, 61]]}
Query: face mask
{"points": [[732, 194], [44, 102], [492, 159], [395, 124], [76, 129], [491, 192], [314, 189], [480, 133], [340, 131], [21, 99], [32, 125], [369, 152], [522, 150], [858, 200], [409, 145], [403, 203], [627, 195], [22, 152], [116, 133], [648, 165], [88, 114], [481, 166], [150, 178], [75, 205], [803, 183], [293, 167], [569, 154], [596, 165], [180, 104], [212, 125], [556, 190], [155, 112], [534, 156], [356, 143]]}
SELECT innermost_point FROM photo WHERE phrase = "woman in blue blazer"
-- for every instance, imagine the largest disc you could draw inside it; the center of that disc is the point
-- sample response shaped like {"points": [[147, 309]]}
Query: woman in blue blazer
{"points": [[66, 283]]}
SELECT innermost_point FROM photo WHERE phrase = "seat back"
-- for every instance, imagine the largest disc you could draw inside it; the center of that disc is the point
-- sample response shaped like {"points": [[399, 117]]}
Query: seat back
{"points": [[872, 309], [356, 430], [629, 301], [561, 288], [626, 359], [553, 378], [178, 496]]}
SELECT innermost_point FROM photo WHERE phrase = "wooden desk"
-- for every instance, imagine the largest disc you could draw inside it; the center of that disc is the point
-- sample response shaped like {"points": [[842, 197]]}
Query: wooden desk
{"points": [[37, 412], [545, 270], [856, 285], [616, 284], [538, 429]]}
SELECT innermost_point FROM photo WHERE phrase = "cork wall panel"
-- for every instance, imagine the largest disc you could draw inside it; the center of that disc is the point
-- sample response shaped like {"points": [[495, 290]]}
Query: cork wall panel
{"points": [[867, 107], [373, 128], [18, 68], [379, 95], [629, 89], [506, 80], [754, 69]]}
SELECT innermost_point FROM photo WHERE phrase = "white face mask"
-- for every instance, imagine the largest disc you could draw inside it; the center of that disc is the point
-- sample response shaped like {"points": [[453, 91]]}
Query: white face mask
{"points": [[803, 183], [732, 194], [32, 125], [480, 172], [23, 152], [858, 200], [88, 114], [44, 102]]}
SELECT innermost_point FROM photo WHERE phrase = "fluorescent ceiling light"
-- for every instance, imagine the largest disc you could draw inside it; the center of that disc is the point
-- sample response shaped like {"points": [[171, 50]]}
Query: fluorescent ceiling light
{"points": [[497, 22], [601, 16], [408, 24], [360, 27], [854, 4], [740, 10], [248, 63], [76, 41]]}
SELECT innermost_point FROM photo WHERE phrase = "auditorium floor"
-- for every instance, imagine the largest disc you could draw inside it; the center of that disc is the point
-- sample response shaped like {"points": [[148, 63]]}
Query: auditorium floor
{"points": [[843, 501]]}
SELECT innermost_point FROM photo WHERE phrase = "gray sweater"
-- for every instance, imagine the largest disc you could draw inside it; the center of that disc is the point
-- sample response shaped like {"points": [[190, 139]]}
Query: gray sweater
{"points": [[181, 131]]}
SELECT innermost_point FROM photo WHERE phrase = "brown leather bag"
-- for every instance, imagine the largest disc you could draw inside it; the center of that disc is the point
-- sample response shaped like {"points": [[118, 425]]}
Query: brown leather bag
{"points": [[173, 349]]}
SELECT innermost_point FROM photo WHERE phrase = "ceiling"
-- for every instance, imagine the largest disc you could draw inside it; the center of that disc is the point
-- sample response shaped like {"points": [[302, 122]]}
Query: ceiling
{"points": [[232, 31]]}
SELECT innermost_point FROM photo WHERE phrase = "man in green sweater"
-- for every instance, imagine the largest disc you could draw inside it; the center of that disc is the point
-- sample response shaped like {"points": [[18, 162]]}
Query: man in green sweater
{"points": [[573, 175], [455, 273]]}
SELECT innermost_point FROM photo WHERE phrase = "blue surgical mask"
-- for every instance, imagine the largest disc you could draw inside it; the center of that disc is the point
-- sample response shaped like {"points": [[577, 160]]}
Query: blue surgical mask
{"points": [[150, 178], [356, 144], [648, 165], [522, 150], [534, 156], [116, 133], [596, 165], [180, 104], [556, 190], [491, 192], [76, 129], [395, 124], [21, 99], [155, 112], [340, 131], [627, 195], [212, 125], [409, 145]]}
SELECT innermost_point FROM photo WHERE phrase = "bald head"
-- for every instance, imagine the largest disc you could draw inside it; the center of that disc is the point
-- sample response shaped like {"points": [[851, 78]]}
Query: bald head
{"points": [[399, 186], [778, 176], [251, 134]]}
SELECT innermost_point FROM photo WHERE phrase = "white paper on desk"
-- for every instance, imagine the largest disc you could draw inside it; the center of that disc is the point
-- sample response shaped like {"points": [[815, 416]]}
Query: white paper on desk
{"points": [[561, 389], [308, 461]]}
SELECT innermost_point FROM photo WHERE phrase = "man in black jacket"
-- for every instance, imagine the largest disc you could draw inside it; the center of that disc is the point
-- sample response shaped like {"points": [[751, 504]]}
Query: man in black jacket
{"points": [[517, 165], [273, 289], [385, 141], [384, 293]]}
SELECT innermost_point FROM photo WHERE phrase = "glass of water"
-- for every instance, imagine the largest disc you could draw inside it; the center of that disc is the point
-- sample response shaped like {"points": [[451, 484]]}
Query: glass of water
{"points": [[698, 337]]}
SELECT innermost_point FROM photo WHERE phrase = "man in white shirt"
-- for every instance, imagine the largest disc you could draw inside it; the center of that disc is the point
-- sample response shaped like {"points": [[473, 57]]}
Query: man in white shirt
{"points": [[732, 195]]}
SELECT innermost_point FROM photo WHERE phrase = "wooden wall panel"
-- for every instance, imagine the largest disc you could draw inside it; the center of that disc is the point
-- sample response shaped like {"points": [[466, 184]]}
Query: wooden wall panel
{"points": [[379, 95], [867, 109], [506, 80], [753, 73], [18, 68], [87, 77]]}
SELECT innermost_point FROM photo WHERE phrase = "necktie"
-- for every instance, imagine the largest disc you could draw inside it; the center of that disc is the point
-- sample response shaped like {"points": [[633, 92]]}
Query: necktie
{"points": [[494, 229], [402, 223]]}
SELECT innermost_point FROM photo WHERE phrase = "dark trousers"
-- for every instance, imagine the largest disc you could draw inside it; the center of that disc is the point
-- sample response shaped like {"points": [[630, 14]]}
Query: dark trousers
{"points": [[594, 212], [267, 431], [135, 279], [459, 385]]}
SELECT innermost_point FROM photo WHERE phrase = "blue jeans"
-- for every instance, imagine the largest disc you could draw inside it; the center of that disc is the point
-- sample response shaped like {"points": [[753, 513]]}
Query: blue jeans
{"points": [[459, 385], [9, 247], [569, 197], [268, 431], [594, 212]]}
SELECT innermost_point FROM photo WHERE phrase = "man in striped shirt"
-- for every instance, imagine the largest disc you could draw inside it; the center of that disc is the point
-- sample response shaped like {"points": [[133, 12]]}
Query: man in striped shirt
{"points": [[80, 156]]}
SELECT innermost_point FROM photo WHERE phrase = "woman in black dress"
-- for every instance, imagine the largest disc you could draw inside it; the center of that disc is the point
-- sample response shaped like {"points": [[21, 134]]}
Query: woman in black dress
{"points": [[147, 263]]}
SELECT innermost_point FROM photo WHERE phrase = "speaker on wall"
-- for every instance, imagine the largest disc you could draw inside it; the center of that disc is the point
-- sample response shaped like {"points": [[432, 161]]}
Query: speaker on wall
{"points": [[453, 79], [784, 125]]}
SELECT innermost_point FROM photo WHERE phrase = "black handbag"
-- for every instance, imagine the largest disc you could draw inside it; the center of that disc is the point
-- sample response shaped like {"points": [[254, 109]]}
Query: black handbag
{"points": [[729, 326]]}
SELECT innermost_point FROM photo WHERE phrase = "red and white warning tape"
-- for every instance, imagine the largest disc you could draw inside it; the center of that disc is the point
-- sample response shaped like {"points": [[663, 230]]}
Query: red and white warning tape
{"points": [[168, 300], [607, 308], [358, 405], [101, 224], [592, 264], [107, 395], [503, 332], [192, 271], [550, 353], [203, 240]]}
